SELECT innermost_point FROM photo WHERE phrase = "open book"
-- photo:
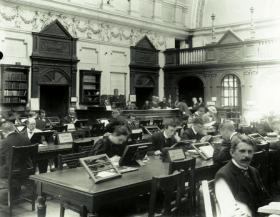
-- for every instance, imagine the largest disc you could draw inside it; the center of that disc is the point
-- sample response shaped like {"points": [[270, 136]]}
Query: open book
{"points": [[271, 208]]}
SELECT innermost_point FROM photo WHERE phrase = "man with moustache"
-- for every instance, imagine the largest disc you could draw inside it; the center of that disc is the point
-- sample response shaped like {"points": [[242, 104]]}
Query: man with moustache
{"points": [[238, 186]]}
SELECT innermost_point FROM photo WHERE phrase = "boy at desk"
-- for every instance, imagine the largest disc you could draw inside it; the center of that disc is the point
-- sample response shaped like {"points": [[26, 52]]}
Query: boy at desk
{"points": [[113, 144], [166, 138]]}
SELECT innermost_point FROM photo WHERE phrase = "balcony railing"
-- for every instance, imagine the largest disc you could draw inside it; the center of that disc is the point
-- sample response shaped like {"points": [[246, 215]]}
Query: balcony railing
{"points": [[251, 50]]}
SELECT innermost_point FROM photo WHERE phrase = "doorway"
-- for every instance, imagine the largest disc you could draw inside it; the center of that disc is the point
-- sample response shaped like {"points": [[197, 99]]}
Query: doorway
{"points": [[190, 87], [54, 99], [143, 94]]}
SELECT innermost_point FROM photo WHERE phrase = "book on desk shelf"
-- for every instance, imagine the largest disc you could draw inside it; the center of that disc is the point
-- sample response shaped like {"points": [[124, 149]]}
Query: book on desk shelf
{"points": [[204, 149], [271, 208]]}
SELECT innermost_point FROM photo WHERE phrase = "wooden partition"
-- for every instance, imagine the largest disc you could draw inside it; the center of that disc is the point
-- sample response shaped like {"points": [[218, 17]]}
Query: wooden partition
{"points": [[153, 114]]}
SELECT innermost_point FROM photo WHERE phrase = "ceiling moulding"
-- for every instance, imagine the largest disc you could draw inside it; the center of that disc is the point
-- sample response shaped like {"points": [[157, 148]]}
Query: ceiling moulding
{"points": [[22, 19], [103, 15], [236, 27]]}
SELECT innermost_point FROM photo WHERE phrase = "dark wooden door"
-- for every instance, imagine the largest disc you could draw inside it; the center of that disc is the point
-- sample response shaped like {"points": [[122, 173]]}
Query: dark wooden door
{"points": [[54, 99], [143, 94]]}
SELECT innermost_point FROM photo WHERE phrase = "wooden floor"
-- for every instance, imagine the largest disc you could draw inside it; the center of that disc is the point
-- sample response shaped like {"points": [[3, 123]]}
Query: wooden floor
{"points": [[24, 210]]}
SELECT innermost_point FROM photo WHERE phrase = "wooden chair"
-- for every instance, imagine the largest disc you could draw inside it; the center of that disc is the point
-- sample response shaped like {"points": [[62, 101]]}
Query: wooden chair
{"points": [[72, 161], [144, 123], [59, 129], [261, 162], [97, 129], [211, 207], [78, 134], [188, 166], [173, 189], [76, 145], [158, 122], [22, 165], [86, 149]]}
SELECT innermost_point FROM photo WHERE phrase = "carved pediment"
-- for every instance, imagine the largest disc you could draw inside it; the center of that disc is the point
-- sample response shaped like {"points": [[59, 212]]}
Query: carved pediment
{"points": [[145, 43], [54, 77], [144, 81], [229, 37], [56, 29]]}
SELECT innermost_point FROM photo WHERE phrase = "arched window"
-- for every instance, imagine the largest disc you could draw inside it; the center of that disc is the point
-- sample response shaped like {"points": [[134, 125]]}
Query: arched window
{"points": [[231, 96]]}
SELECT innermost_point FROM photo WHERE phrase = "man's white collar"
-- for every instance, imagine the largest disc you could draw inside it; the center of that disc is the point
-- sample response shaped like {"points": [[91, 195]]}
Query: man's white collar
{"points": [[239, 166], [194, 130], [232, 135]]}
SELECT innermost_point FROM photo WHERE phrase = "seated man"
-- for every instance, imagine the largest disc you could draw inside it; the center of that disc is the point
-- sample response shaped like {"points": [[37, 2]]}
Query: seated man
{"points": [[116, 120], [195, 132], [11, 138], [238, 187], [165, 138], [30, 128], [41, 120], [112, 144], [70, 118], [221, 151]]}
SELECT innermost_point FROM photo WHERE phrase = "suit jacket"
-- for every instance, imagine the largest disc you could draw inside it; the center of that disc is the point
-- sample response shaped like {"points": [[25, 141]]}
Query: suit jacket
{"points": [[41, 123], [120, 120], [189, 134], [222, 153], [160, 142], [14, 139], [105, 146], [249, 191]]}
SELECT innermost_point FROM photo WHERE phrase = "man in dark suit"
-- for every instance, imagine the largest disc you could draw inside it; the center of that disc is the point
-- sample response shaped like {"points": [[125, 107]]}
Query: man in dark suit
{"points": [[112, 144], [195, 132], [41, 121], [238, 186], [11, 138], [166, 138], [116, 120], [222, 151]]}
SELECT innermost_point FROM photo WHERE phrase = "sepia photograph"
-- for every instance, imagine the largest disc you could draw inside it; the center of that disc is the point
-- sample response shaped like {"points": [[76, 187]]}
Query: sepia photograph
{"points": [[140, 108]]}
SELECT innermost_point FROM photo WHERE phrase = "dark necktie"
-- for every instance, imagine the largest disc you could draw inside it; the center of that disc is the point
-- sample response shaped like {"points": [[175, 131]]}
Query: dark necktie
{"points": [[247, 176]]}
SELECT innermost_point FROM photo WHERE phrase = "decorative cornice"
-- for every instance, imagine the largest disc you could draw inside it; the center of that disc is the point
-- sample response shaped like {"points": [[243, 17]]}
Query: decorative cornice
{"points": [[22, 19], [94, 13], [220, 29]]}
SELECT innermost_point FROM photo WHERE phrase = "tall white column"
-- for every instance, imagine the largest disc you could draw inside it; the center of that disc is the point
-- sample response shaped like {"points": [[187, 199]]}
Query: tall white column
{"points": [[134, 8], [157, 10]]}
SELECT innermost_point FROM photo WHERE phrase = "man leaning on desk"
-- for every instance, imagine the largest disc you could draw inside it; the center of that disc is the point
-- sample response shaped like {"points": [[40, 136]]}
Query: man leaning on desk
{"points": [[196, 131], [112, 144], [222, 151], [166, 138]]}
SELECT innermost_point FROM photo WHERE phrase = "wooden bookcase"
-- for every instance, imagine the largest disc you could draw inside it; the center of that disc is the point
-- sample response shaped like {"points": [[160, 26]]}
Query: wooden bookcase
{"points": [[14, 85], [90, 87]]}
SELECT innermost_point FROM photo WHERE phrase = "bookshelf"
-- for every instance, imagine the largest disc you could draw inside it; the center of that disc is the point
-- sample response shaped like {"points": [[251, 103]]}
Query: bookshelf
{"points": [[14, 85], [90, 87]]}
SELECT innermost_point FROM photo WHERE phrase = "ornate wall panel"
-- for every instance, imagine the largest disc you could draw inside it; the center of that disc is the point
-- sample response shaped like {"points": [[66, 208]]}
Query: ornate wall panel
{"points": [[54, 59]]}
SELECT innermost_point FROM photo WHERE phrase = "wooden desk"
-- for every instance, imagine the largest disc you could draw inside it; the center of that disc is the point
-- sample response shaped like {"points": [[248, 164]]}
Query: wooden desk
{"points": [[51, 151], [75, 187]]}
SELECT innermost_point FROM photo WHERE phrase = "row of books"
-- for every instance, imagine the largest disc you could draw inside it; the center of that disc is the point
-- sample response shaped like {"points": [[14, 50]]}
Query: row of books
{"points": [[13, 100], [89, 78], [16, 76], [15, 85], [15, 92], [92, 99], [90, 87]]}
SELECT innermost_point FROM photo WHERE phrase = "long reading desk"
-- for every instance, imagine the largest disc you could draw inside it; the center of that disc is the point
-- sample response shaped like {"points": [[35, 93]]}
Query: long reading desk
{"points": [[75, 187]]}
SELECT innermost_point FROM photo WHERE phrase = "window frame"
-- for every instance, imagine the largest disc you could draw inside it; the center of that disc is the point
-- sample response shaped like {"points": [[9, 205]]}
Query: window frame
{"points": [[233, 87]]}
